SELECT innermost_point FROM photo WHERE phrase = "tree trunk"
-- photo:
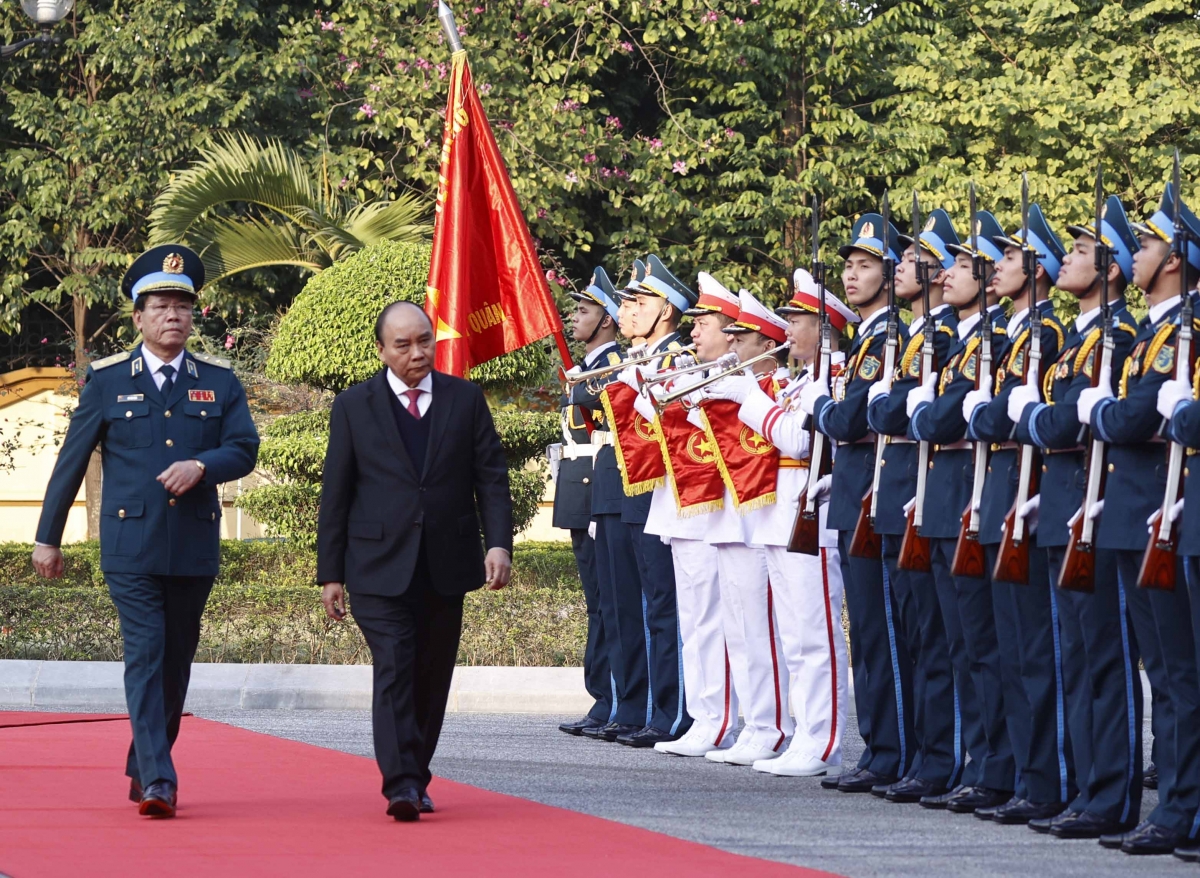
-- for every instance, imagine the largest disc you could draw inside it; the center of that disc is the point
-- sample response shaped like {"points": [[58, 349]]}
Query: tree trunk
{"points": [[91, 481]]}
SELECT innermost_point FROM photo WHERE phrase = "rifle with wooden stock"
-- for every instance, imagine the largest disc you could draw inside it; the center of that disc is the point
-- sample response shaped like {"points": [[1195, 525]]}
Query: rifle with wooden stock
{"points": [[865, 543], [1078, 572], [1158, 563], [969, 556], [806, 529], [914, 549], [1012, 560]]}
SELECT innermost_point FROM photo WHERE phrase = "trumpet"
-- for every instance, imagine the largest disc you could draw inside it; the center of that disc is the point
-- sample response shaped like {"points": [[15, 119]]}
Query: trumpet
{"points": [[662, 402], [670, 374], [591, 376]]}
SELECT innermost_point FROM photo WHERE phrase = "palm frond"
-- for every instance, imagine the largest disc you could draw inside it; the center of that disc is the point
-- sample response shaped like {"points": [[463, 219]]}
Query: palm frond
{"points": [[232, 245], [401, 220]]}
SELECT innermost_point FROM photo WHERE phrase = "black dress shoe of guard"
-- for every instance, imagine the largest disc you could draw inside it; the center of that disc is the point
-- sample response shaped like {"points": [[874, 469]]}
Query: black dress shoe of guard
{"points": [[1150, 777], [1045, 824], [159, 799], [1150, 839], [135, 791], [610, 731], [940, 801], [864, 782], [977, 797], [646, 737], [405, 806], [577, 728], [1189, 851], [426, 804], [912, 789], [1021, 811], [990, 812], [1087, 825], [831, 781]]}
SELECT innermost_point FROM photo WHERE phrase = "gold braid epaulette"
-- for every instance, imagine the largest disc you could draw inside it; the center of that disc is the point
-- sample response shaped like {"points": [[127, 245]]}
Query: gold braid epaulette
{"points": [[1053, 324], [914, 347]]}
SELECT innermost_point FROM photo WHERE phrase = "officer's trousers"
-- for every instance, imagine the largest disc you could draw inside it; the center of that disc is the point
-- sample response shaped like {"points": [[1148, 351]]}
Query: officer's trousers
{"points": [[1105, 709], [807, 596], [1191, 578], [657, 574], [755, 650], [881, 665], [937, 723], [708, 682], [966, 605], [160, 629], [597, 677], [1162, 622], [1031, 656], [623, 615]]}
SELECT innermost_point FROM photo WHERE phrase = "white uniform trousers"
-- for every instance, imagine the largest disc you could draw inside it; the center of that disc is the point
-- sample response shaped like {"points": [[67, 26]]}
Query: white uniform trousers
{"points": [[707, 680], [755, 650], [808, 607]]}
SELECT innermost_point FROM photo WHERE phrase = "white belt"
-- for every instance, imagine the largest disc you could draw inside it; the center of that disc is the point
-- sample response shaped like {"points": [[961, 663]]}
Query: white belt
{"points": [[900, 440], [575, 451], [600, 438]]}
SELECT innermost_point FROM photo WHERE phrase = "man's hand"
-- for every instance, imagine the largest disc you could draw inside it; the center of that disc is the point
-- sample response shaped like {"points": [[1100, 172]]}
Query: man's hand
{"points": [[498, 567], [1171, 394], [876, 390], [181, 476], [734, 388], [333, 596], [1089, 398], [922, 395], [810, 393], [1019, 398], [48, 562], [974, 399]]}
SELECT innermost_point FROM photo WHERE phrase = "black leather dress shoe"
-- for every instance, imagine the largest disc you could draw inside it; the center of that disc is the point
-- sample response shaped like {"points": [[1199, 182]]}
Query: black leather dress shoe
{"points": [[1189, 851], [611, 731], [576, 728], [1150, 777], [1045, 824], [977, 797], [1087, 825], [426, 804], [831, 781], [910, 790], [135, 792], [990, 812], [158, 799], [405, 806], [646, 737], [1150, 839], [940, 801], [864, 782], [1021, 811]]}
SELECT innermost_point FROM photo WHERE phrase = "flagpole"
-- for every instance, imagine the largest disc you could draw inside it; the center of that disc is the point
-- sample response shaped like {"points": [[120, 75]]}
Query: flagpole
{"points": [[450, 30]]}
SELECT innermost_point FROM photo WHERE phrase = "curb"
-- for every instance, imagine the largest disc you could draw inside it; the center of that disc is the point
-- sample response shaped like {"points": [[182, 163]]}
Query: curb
{"points": [[99, 686]]}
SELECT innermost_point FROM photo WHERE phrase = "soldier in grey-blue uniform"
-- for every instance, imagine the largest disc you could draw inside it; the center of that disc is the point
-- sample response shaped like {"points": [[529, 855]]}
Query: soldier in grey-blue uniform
{"points": [[171, 426]]}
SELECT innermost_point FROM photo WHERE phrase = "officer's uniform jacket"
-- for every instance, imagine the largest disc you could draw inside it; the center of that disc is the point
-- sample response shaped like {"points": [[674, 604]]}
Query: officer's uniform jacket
{"points": [[844, 420], [1053, 426], [607, 490], [888, 416], [576, 471], [951, 473], [1136, 458], [143, 528], [635, 510], [990, 423]]}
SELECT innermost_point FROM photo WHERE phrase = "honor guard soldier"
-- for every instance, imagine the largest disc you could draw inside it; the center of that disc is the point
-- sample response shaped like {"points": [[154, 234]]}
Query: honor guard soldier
{"points": [[937, 764], [1098, 648], [171, 425], [1129, 422], [806, 590], [1026, 612], [935, 415], [882, 667], [595, 326]]}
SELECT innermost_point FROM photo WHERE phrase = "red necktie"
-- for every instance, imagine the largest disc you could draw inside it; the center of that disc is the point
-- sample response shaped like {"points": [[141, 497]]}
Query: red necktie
{"points": [[413, 396]]}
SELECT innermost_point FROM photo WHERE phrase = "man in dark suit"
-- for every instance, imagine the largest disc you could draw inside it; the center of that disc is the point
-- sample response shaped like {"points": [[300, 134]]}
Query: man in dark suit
{"points": [[172, 425], [413, 466]]}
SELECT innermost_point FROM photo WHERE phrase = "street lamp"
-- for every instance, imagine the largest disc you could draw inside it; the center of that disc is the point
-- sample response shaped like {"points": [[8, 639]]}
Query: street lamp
{"points": [[45, 14]]}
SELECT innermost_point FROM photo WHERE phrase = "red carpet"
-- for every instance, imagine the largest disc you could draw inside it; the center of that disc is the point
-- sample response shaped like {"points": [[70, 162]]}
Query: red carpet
{"points": [[256, 805]]}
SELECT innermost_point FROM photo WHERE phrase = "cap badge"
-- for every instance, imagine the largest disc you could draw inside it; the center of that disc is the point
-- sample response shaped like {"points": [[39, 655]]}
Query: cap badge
{"points": [[979, 227], [929, 224], [173, 264], [868, 230]]}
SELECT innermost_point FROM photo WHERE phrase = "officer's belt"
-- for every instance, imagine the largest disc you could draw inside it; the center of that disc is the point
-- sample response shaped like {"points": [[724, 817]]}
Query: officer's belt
{"points": [[792, 463], [1078, 449], [600, 438], [1005, 446], [955, 446], [869, 439], [900, 440], [574, 451]]}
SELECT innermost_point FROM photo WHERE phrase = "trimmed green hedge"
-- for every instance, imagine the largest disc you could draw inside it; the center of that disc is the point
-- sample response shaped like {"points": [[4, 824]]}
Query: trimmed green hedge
{"points": [[265, 608]]}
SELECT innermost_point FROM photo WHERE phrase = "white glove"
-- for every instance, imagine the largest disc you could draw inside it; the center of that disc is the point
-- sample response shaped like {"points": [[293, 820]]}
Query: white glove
{"points": [[821, 488], [1176, 510], [974, 399], [919, 396], [1171, 394], [877, 390], [1088, 400], [664, 539], [1096, 509], [629, 377], [910, 505], [1021, 396], [810, 393], [592, 529], [1029, 512], [734, 388], [574, 370]]}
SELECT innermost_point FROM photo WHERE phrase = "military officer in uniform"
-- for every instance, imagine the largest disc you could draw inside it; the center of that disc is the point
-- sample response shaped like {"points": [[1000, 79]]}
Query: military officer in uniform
{"points": [[595, 326], [172, 425]]}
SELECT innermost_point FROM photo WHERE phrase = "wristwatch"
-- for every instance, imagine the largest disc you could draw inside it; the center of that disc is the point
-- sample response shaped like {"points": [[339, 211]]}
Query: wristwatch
{"points": [[203, 468]]}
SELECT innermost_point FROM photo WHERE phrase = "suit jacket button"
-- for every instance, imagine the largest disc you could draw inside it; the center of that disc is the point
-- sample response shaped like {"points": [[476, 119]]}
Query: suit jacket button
{"points": [[213, 517], [1111, 467], [1045, 468], [167, 413], [120, 513], [170, 443], [129, 414], [171, 502], [586, 480], [203, 413]]}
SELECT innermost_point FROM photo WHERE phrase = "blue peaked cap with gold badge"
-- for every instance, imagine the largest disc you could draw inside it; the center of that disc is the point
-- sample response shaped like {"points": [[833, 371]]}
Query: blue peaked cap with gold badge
{"points": [[1162, 225], [168, 268], [660, 282], [1049, 249], [601, 291], [636, 274], [987, 229], [870, 236], [1116, 233], [936, 237]]}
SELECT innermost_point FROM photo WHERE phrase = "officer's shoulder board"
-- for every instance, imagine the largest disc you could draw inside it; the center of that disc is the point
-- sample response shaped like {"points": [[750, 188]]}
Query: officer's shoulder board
{"points": [[105, 362], [942, 327], [209, 359], [614, 357]]}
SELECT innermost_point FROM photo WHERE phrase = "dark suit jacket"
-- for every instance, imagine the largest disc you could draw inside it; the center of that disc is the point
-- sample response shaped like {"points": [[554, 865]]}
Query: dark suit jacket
{"points": [[376, 508]]}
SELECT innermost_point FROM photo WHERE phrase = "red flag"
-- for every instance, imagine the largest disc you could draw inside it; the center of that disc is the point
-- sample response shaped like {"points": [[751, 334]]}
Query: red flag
{"points": [[487, 294]]}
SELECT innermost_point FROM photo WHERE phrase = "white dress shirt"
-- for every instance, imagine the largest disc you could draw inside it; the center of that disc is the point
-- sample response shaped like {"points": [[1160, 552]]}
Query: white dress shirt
{"points": [[154, 366], [425, 385]]}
